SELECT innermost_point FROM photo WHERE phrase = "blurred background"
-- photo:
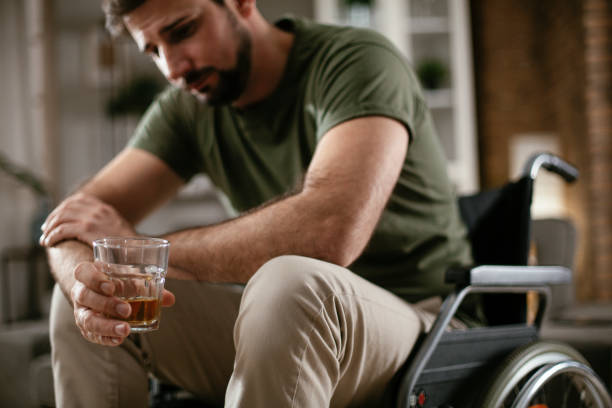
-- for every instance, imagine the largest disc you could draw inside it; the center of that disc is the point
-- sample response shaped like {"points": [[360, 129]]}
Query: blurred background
{"points": [[503, 79]]}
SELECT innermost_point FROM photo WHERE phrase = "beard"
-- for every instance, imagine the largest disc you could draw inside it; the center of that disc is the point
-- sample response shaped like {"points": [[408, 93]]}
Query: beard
{"points": [[232, 82]]}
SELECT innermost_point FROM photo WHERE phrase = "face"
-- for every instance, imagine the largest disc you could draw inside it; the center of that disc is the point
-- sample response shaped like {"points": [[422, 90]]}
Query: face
{"points": [[197, 44]]}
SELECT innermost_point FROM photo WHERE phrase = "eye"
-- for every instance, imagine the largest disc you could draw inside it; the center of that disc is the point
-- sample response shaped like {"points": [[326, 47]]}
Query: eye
{"points": [[183, 31]]}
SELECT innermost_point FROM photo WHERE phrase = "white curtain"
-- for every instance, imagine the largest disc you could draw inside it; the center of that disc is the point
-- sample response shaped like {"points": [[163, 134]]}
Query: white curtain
{"points": [[16, 138], [24, 129]]}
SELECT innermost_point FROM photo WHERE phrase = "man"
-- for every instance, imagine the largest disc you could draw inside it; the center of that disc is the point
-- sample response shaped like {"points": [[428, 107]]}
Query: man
{"points": [[321, 141]]}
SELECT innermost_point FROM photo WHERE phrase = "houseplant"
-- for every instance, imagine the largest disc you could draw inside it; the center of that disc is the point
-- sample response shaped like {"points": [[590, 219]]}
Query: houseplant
{"points": [[359, 12], [432, 73]]}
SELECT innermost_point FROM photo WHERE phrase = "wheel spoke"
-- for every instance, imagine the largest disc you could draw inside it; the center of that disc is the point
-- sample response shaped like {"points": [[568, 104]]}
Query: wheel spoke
{"points": [[546, 375]]}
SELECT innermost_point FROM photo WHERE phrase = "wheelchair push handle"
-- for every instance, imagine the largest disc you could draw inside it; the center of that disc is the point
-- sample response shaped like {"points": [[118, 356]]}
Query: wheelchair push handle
{"points": [[551, 163]]}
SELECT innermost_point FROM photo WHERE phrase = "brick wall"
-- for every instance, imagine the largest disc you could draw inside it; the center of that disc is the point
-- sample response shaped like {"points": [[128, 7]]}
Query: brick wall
{"points": [[546, 66], [509, 79], [597, 18], [565, 67]]}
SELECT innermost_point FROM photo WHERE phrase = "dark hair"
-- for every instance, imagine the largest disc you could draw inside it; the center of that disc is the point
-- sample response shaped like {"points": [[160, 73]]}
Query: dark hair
{"points": [[114, 10]]}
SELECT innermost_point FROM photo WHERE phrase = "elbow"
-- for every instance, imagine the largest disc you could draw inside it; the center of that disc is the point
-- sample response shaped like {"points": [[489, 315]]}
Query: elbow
{"points": [[343, 259], [341, 245]]}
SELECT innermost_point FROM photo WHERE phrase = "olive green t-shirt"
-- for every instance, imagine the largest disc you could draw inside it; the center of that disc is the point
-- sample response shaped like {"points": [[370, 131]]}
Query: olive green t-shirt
{"points": [[252, 155]]}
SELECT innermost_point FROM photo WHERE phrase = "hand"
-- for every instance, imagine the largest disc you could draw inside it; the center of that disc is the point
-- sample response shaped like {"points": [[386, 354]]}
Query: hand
{"points": [[96, 310], [85, 218]]}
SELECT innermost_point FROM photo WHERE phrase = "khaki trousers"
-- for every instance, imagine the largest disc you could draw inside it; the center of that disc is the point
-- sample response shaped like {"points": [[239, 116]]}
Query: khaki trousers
{"points": [[302, 333]]}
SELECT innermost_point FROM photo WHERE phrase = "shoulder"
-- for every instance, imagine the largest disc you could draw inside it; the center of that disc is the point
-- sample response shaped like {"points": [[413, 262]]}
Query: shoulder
{"points": [[328, 34], [177, 108], [356, 52], [325, 43], [359, 57], [340, 40], [177, 99]]}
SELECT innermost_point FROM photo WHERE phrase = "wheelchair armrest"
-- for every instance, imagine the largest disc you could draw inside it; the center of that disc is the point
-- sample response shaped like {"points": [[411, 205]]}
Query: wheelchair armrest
{"points": [[480, 279], [503, 275]]}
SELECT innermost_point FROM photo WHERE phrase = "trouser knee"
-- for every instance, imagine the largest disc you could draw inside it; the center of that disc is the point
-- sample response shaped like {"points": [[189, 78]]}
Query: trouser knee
{"points": [[286, 293], [291, 281]]}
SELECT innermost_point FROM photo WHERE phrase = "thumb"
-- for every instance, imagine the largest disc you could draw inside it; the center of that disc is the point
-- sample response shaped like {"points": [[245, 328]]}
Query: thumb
{"points": [[168, 298]]}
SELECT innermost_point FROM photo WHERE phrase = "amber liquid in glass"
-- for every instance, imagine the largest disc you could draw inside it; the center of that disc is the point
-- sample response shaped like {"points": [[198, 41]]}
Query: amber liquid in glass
{"points": [[144, 310]]}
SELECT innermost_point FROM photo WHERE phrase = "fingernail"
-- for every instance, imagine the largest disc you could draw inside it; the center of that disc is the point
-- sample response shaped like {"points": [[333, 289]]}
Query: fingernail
{"points": [[121, 329], [41, 239], [42, 227], [107, 288], [123, 309], [115, 340]]}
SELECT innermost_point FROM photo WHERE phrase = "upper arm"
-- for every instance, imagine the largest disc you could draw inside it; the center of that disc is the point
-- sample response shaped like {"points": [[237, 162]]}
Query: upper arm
{"points": [[134, 183], [365, 76], [354, 170], [368, 103]]}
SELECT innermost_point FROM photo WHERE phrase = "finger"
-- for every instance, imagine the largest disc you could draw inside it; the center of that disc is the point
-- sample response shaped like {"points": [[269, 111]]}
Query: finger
{"points": [[62, 232], [91, 281], [92, 276], [102, 340], [95, 326], [52, 215], [61, 219], [168, 298], [69, 211], [67, 215], [63, 206], [112, 341], [64, 212], [110, 306], [57, 234]]}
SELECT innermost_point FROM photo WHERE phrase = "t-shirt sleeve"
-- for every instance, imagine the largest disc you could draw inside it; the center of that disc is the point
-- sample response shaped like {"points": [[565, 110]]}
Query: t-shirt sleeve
{"points": [[364, 78], [167, 130]]}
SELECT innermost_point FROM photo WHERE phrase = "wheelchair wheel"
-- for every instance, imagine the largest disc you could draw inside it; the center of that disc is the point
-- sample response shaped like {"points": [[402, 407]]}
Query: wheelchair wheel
{"points": [[564, 384], [545, 375]]}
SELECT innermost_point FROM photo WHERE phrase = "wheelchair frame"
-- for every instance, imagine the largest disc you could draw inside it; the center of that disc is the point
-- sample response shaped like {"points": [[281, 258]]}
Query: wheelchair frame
{"points": [[504, 279]]}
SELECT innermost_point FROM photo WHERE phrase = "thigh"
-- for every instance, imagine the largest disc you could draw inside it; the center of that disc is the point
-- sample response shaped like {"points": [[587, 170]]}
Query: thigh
{"points": [[384, 329], [314, 332], [193, 347]]}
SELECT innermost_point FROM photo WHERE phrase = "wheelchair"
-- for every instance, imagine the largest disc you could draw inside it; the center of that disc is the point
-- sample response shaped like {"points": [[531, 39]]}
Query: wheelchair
{"points": [[502, 364]]}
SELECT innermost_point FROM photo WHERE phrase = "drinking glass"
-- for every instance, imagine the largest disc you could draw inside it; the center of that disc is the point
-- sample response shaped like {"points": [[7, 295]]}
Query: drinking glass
{"points": [[137, 267]]}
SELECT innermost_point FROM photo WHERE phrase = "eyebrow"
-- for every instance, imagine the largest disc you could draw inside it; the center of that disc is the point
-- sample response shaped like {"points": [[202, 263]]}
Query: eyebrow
{"points": [[165, 30]]}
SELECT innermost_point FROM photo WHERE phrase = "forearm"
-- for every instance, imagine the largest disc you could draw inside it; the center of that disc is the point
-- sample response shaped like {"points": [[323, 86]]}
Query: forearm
{"points": [[63, 258], [331, 218], [307, 224]]}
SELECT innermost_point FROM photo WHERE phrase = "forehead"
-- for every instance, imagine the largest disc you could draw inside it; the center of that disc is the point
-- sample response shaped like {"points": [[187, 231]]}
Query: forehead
{"points": [[153, 15]]}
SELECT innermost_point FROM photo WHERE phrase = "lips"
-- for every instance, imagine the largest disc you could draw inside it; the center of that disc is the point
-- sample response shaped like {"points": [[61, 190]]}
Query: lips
{"points": [[198, 84], [196, 80]]}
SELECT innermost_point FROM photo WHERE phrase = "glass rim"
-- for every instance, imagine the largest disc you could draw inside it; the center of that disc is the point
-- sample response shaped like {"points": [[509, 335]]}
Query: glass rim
{"points": [[131, 242]]}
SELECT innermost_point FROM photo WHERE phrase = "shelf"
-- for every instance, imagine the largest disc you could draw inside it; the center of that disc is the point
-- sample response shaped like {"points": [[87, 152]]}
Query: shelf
{"points": [[428, 25], [435, 29], [438, 98]]}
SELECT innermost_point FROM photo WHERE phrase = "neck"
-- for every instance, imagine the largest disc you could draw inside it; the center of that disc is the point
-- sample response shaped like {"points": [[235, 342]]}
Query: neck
{"points": [[270, 48]]}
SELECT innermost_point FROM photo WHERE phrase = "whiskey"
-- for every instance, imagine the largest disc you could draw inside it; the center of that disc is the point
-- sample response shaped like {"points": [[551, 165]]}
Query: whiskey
{"points": [[140, 285], [145, 310]]}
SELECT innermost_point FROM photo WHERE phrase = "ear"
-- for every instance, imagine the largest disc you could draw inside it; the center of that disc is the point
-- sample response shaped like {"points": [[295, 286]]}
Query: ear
{"points": [[245, 7]]}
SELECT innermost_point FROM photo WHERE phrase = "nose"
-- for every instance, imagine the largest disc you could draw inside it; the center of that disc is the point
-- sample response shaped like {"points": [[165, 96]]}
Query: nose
{"points": [[176, 63]]}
